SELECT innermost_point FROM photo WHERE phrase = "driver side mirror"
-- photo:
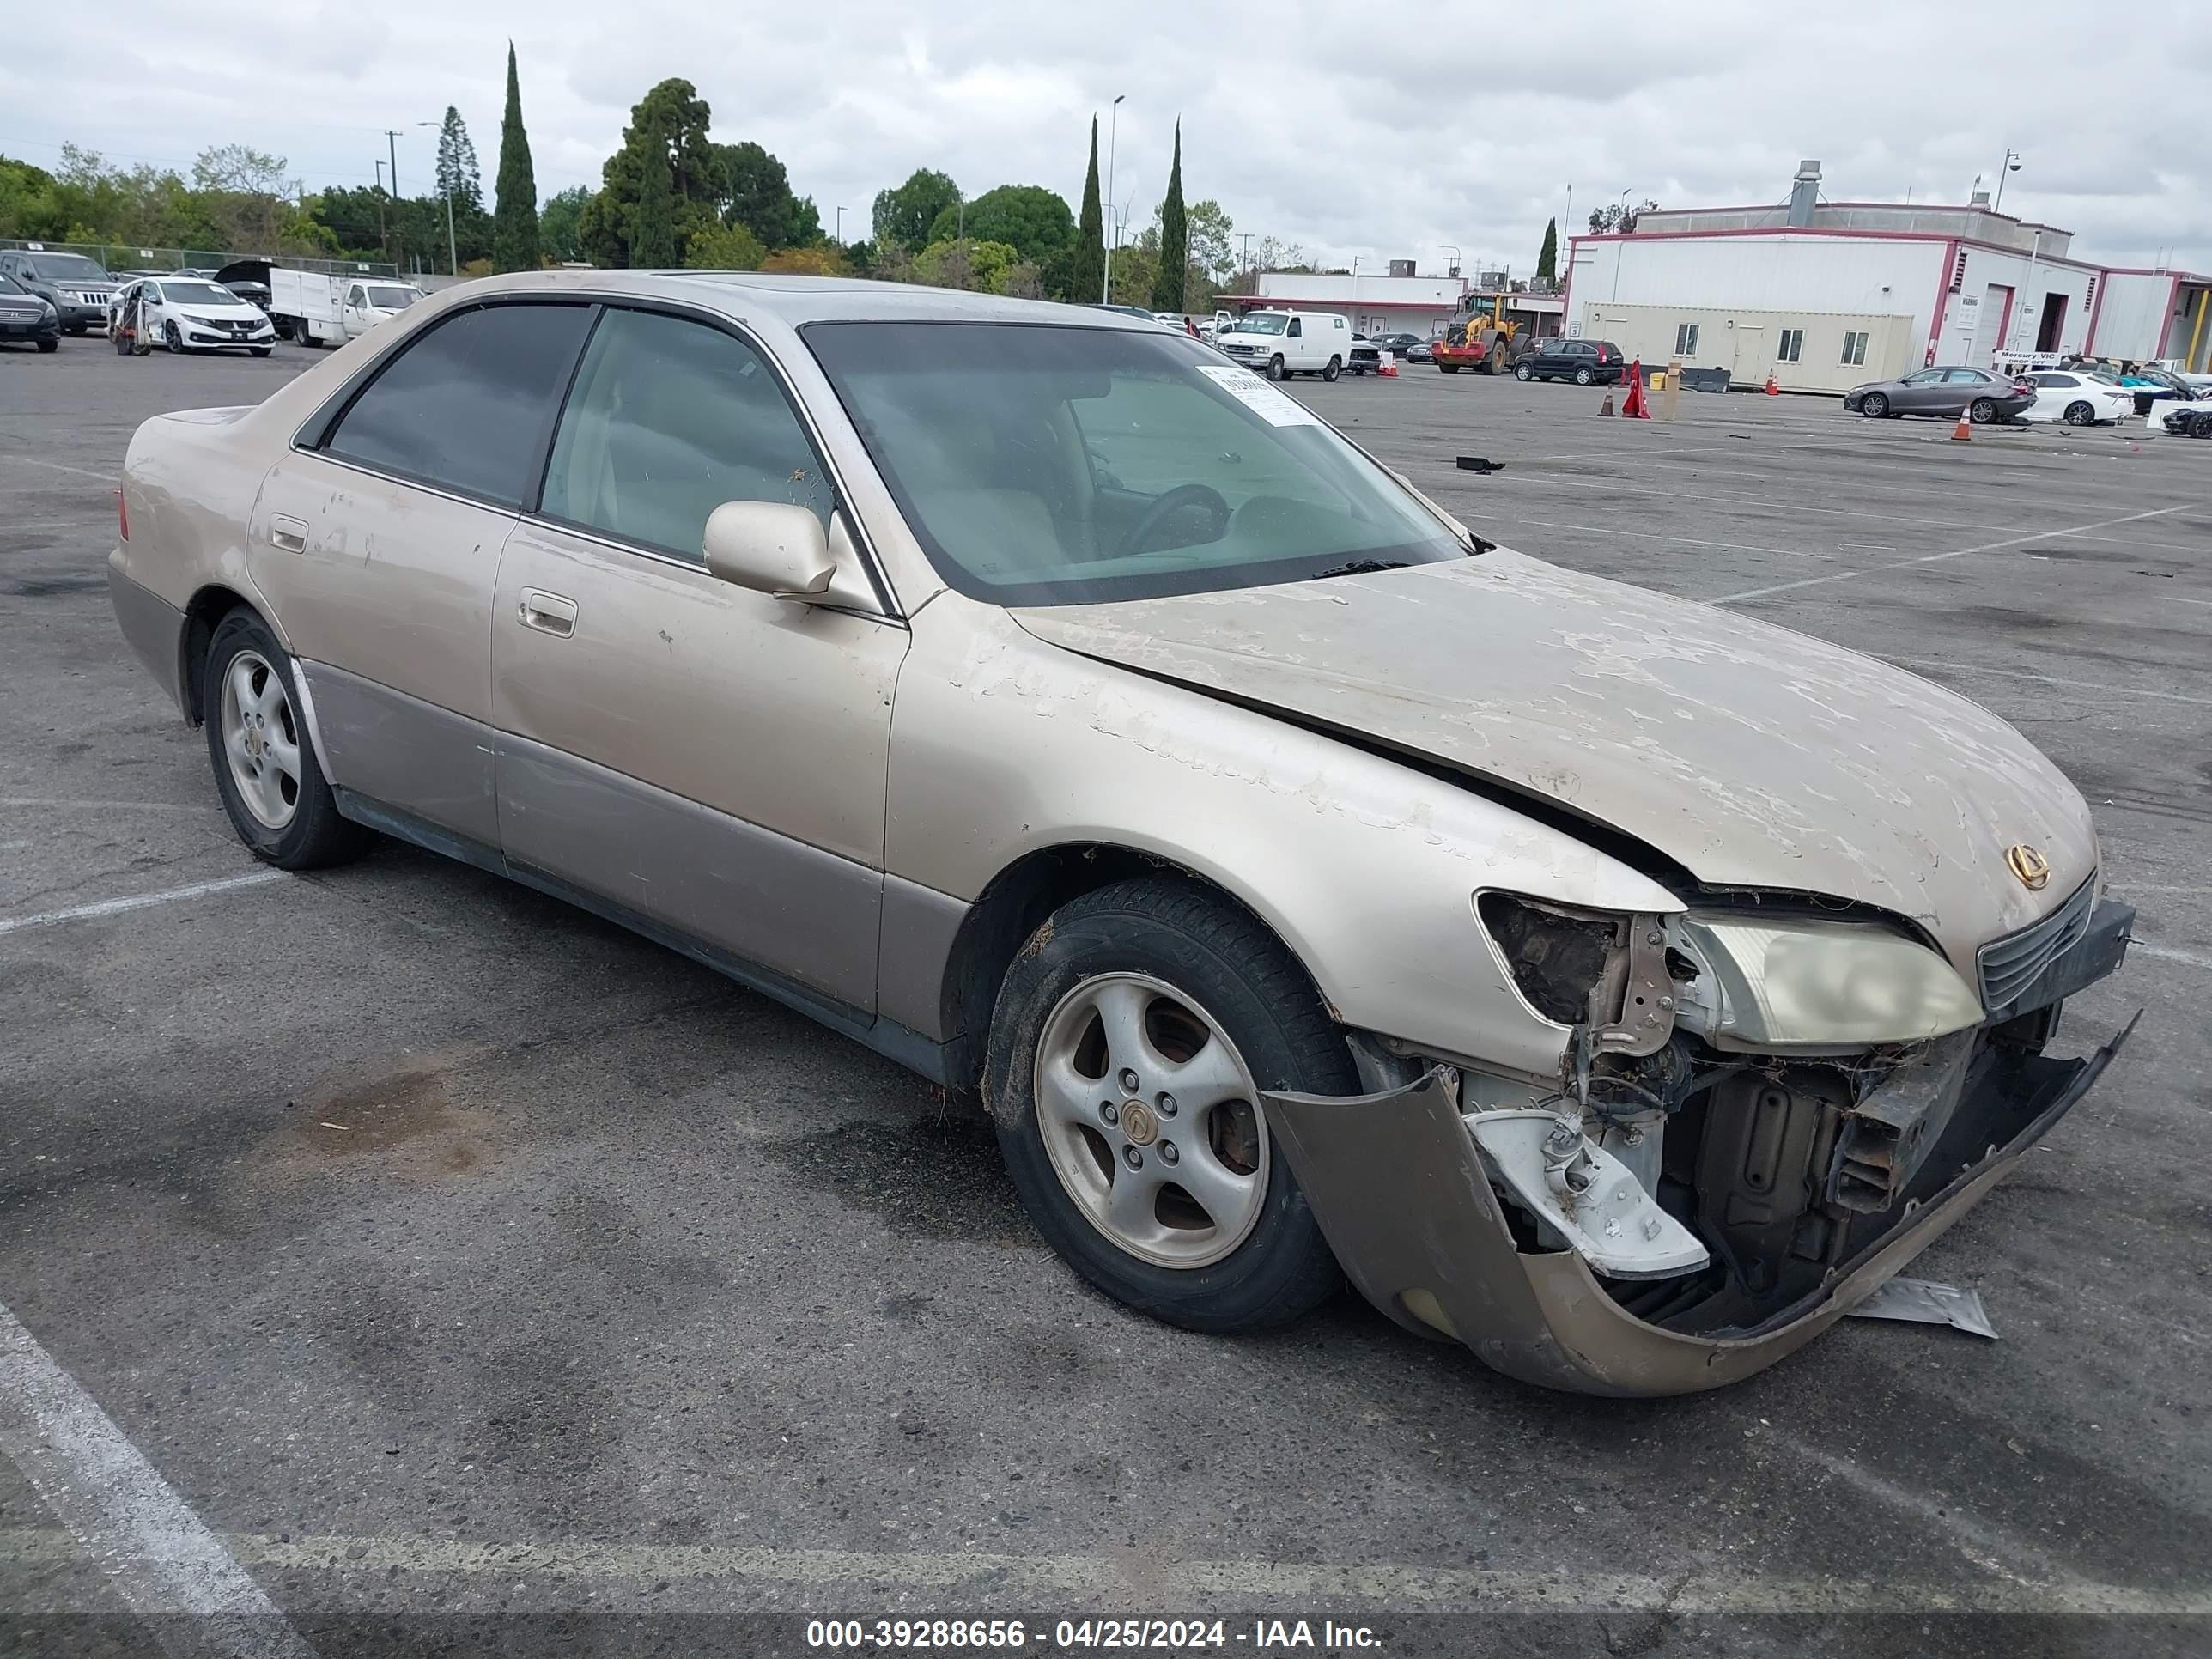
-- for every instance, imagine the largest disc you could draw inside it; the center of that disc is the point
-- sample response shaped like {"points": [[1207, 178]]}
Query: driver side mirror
{"points": [[771, 547]]}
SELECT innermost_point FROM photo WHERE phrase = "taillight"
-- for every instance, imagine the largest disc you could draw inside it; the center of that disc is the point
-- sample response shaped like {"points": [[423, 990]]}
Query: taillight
{"points": [[121, 514]]}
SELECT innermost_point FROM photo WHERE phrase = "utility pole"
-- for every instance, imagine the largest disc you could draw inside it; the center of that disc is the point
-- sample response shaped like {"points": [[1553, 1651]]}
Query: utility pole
{"points": [[1113, 130], [392, 143], [383, 240]]}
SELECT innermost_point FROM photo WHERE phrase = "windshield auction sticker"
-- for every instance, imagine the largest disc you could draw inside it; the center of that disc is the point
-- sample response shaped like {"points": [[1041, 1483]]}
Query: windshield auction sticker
{"points": [[1271, 405]]}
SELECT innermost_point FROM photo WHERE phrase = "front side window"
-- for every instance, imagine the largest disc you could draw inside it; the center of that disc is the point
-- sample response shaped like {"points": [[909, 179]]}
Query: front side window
{"points": [[1967, 377], [466, 405], [1297, 328], [388, 296], [1855, 346], [669, 419], [1926, 377], [1793, 343], [355, 298], [1049, 465]]}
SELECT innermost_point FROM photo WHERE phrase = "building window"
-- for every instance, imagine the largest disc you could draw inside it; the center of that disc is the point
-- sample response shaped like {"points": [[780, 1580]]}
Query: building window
{"points": [[1793, 343], [1855, 346], [1685, 339]]}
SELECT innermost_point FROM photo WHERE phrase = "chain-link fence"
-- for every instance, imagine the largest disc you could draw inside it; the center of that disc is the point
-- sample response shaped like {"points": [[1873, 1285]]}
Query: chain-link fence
{"points": [[115, 257]]}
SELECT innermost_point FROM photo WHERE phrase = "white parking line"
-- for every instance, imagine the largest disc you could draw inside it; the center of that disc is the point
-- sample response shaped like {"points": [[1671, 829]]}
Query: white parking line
{"points": [[154, 1551], [2167, 953], [52, 803], [1647, 536], [1938, 558], [61, 466], [1947, 667], [137, 900]]}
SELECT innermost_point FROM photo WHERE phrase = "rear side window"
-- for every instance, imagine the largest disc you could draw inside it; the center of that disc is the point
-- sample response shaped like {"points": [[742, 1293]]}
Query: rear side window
{"points": [[466, 405], [669, 419]]}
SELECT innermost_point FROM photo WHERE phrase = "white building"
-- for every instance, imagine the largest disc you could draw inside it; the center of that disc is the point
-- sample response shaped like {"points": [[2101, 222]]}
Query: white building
{"points": [[1391, 304], [1828, 296]]}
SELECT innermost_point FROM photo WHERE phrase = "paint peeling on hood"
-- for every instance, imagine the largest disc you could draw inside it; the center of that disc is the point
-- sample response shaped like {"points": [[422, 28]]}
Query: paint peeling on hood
{"points": [[1750, 755]]}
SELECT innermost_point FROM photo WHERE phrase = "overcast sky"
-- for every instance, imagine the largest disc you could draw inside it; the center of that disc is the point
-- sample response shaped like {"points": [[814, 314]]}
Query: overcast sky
{"points": [[1387, 129]]}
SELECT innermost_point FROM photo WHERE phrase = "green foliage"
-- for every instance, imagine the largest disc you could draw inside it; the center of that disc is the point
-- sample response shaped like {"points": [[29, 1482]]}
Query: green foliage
{"points": [[1027, 217], [1086, 273], [966, 263], [724, 248], [1169, 281], [905, 216], [653, 231], [1547, 258], [459, 178], [819, 259], [515, 216], [708, 184], [557, 227], [757, 194]]}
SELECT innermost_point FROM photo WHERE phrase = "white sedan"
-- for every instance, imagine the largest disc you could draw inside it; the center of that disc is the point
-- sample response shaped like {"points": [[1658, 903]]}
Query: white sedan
{"points": [[190, 313], [2077, 396]]}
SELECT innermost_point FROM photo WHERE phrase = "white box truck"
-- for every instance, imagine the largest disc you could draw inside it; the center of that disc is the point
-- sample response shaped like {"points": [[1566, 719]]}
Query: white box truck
{"points": [[317, 309]]}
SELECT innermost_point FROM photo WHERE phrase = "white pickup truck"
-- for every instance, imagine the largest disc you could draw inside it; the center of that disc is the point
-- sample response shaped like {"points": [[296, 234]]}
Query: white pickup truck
{"points": [[322, 310]]}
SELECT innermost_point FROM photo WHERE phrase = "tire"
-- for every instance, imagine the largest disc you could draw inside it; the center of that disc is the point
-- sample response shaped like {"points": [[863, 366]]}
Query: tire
{"points": [[2200, 426], [1162, 946], [75, 331], [2080, 414], [1983, 411], [172, 339], [1524, 374], [1275, 369], [1875, 406], [244, 661], [1333, 368], [261, 351], [1583, 377], [1448, 368], [46, 347], [122, 343]]}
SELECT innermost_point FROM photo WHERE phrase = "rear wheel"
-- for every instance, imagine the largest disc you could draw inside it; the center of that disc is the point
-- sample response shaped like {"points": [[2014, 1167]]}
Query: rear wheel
{"points": [[2080, 414], [1128, 1050], [1874, 406], [1982, 411], [266, 768], [1334, 367], [1583, 377]]}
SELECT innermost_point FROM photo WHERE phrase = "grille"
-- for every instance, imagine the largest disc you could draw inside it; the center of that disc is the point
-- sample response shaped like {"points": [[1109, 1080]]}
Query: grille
{"points": [[2010, 965]]}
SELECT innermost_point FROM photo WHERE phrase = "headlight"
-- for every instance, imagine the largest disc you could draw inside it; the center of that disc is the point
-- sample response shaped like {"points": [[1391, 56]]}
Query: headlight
{"points": [[1805, 983]]}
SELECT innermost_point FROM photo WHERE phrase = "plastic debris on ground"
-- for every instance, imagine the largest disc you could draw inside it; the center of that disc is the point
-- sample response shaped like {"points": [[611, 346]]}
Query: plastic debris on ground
{"points": [[1923, 1302]]}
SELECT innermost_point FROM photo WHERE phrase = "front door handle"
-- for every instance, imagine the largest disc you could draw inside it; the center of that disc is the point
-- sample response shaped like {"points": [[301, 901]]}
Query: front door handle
{"points": [[290, 535], [549, 613]]}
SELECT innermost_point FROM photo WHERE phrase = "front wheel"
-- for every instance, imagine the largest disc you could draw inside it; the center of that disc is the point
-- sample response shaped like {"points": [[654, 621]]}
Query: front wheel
{"points": [[266, 768], [2200, 426], [1128, 1051], [1334, 367], [50, 345], [261, 351], [1275, 369], [171, 339], [1448, 368], [1982, 411], [1524, 373], [1874, 406]]}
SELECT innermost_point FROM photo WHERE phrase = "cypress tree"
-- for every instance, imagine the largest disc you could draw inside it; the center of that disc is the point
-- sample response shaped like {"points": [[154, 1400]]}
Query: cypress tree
{"points": [[1174, 239], [514, 215], [1547, 261], [1087, 276], [652, 233]]}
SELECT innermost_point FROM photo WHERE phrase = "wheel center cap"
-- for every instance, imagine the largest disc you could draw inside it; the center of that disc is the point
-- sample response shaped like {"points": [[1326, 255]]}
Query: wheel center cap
{"points": [[1138, 1123]]}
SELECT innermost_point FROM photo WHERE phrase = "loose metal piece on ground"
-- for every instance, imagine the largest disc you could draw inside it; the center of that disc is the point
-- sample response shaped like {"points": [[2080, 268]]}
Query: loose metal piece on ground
{"points": [[1480, 464], [1923, 1302]]}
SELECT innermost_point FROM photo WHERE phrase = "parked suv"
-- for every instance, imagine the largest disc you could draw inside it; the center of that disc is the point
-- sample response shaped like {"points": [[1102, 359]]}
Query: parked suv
{"points": [[78, 287], [1586, 362]]}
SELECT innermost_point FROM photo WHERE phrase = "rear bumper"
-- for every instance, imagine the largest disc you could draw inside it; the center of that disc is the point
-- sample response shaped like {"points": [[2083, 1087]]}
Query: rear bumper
{"points": [[152, 627], [1402, 1192]]}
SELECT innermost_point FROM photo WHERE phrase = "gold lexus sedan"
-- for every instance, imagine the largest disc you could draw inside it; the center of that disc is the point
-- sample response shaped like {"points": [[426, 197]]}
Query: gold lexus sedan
{"points": [[1307, 886]]}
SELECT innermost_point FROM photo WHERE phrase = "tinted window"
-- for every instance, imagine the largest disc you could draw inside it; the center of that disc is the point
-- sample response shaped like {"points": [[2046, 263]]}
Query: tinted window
{"points": [[670, 419], [1967, 377], [467, 404]]}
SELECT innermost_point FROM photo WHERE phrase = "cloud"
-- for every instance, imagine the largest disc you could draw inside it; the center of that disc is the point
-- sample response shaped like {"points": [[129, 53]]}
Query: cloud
{"points": [[1382, 130]]}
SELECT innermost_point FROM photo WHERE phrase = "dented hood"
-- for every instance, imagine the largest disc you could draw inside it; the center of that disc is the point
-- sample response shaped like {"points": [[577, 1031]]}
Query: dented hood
{"points": [[1751, 756]]}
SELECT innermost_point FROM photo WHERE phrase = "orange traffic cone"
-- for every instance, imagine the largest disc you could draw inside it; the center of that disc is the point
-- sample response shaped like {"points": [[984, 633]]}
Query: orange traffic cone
{"points": [[1605, 408], [1633, 407], [1388, 371], [1963, 432], [1773, 390]]}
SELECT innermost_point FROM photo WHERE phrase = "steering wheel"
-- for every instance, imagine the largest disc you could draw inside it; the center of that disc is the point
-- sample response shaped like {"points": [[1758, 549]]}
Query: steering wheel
{"points": [[1182, 495]]}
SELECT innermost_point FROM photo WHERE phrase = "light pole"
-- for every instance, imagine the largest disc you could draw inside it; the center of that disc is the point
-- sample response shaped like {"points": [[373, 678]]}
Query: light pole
{"points": [[1452, 248], [1113, 127], [1355, 291], [453, 253], [2011, 165], [839, 236]]}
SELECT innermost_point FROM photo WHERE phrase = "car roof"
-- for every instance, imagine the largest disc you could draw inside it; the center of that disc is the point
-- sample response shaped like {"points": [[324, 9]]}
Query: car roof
{"points": [[797, 300]]}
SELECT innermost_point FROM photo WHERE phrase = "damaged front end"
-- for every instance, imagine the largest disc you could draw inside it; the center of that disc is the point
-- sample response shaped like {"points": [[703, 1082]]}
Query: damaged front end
{"points": [[1759, 1116]]}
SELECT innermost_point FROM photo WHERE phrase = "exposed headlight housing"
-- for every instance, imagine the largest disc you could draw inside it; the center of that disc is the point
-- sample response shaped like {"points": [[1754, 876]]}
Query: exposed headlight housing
{"points": [[1806, 982]]}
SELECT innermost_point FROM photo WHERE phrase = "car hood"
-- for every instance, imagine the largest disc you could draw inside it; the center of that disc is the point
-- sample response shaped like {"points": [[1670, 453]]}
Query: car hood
{"points": [[1751, 756]]}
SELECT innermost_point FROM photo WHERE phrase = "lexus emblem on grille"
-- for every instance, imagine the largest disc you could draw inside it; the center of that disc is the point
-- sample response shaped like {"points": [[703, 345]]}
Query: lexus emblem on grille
{"points": [[2030, 865]]}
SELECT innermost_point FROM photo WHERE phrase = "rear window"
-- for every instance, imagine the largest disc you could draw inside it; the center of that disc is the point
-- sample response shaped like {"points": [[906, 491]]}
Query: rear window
{"points": [[467, 405]]}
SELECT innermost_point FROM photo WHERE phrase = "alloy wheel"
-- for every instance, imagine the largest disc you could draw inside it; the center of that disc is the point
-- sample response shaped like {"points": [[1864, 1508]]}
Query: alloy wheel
{"points": [[261, 739]]}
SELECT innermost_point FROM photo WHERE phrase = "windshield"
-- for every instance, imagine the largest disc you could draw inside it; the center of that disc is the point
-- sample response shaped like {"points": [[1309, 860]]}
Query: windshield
{"points": [[10, 285], [389, 298], [67, 267], [1043, 465], [199, 294], [1260, 322]]}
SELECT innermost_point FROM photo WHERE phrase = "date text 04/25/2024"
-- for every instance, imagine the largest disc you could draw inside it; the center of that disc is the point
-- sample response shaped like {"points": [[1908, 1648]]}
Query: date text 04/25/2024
{"points": [[1110, 1635]]}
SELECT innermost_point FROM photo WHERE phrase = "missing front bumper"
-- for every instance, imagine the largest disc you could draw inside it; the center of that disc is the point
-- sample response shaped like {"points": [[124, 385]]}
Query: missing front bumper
{"points": [[1402, 1193]]}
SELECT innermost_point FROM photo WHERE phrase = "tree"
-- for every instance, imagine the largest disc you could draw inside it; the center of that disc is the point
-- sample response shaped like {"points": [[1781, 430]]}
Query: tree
{"points": [[819, 260], [1173, 275], [904, 215], [249, 194], [724, 248], [1547, 257], [1027, 217], [1617, 218], [757, 195], [460, 181], [670, 122], [1212, 254], [1087, 276], [558, 224], [966, 263], [514, 217], [653, 236]]}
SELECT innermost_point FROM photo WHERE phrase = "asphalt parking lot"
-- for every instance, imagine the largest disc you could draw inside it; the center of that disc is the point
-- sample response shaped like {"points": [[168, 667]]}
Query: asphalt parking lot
{"points": [[467, 1266]]}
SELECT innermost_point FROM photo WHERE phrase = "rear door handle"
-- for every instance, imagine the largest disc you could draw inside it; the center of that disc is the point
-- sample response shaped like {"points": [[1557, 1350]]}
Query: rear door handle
{"points": [[290, 535], [549, 613]]}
